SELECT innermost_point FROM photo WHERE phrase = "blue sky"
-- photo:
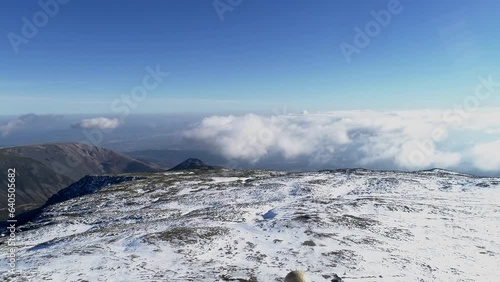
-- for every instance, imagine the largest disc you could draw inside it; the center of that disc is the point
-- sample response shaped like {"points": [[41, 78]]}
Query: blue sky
{"points": [[264, 55]]}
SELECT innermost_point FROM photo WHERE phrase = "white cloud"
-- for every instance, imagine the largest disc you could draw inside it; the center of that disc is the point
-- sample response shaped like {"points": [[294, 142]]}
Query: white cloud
{"points": [[98, 123], [486, 156], [404, 139]]}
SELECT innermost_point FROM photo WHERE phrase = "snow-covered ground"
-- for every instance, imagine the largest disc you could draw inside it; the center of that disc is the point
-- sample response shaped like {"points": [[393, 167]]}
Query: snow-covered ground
{"points": [[257, 225]]}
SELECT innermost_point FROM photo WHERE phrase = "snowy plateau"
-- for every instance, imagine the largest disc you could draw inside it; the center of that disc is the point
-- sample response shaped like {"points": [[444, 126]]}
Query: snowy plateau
{"points": [[226, 225]]}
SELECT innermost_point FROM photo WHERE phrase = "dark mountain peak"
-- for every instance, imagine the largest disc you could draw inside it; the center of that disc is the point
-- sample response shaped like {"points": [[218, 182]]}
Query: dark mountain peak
{"points": [[191, 163]]}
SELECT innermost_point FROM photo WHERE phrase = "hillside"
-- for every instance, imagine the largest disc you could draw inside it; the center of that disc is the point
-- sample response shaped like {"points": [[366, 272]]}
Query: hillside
{"points": [[35, 182], [89, 160], [45, 169], [223, 225]]}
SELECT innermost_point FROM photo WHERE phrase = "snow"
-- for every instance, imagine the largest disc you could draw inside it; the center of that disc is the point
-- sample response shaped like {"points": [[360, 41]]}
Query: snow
{"points": [[229, 179], [213, 226]]}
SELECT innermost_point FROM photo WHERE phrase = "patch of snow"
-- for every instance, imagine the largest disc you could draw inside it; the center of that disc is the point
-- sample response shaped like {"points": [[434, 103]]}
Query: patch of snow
{"points": [[172, 227]]}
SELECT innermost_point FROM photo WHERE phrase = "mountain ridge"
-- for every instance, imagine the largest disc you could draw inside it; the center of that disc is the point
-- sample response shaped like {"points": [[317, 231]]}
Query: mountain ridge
{"points": [[44, 169]]}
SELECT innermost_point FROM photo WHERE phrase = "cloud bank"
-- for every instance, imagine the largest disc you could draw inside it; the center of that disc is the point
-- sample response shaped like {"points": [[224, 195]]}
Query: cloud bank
{"points": [[401, 140], [98, 123], [486, 156], [27, 120]]}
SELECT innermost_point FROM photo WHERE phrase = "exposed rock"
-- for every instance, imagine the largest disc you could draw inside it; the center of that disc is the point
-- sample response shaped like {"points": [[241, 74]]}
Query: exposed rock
{"points": [[336, 278]]}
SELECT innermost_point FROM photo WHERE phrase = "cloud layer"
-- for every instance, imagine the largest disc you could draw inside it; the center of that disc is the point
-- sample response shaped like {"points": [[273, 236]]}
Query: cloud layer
{"points": [[401, 140], [98, 123], [486, 156], [25, 121]]}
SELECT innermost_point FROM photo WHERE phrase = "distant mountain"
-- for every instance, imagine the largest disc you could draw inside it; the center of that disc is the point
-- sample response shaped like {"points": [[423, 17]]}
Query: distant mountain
{"points": [[62, 157], [35, 182], [191, 163], [43, 170], [168, 158]]}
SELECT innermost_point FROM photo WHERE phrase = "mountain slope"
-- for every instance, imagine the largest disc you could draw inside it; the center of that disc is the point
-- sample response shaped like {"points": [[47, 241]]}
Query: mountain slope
{"points": [[34, 181], [76, 160], [226, 225], [45, 169]]}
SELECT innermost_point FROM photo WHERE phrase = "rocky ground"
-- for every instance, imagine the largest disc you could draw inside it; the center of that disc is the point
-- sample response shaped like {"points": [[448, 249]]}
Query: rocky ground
{"points": [[223, 225]]}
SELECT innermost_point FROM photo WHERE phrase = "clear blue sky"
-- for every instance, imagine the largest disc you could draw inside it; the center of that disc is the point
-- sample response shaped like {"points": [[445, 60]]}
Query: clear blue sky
{"points": [[265, 54]]}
